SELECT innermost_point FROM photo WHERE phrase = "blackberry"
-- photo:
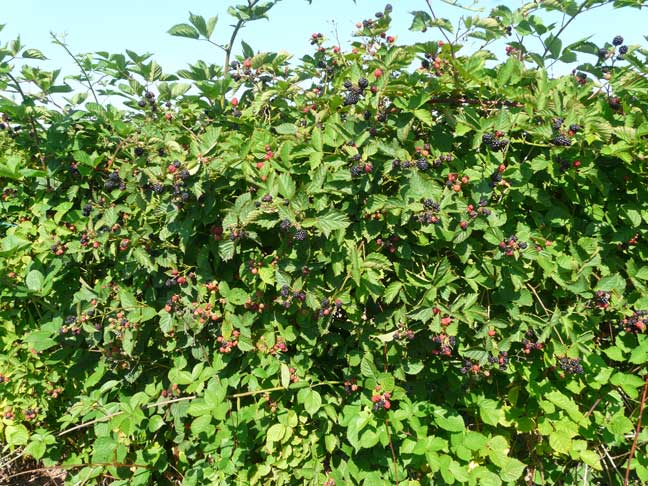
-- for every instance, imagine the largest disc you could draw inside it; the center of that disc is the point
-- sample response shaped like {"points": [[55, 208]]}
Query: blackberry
{"points": [[87, 209], [235, 64], [523, 245], [348, 84], [285, 291], [422, 164], [498, 145], [141, 103], [575, 128], [483, 202], [602, 53], [114, 176], [382, 116], [396, 164], [488, 139], [185, 196], [351, 98], [405, 164], [617, 41], [425, 64], [356, 171], [496, 176], [139, 151], [623, 50], [161, 152], [388, 8], [557, 123], [379, 15], [184, 174], [267, 198], [148, 95], [285, 225], [363, 83], [158, 188], [367, 115], [356, 157], [561, 141], [301, 235], [70, 319]]}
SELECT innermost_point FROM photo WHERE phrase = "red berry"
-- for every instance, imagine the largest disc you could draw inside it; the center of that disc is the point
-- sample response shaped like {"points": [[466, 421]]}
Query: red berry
{"points": [[577, 163], [234, 102], [378, 73], [501, 168], [492, 332], [436, 311]]}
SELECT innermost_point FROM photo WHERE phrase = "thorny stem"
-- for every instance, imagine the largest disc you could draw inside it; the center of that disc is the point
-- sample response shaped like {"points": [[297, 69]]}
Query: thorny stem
{"points": [[393, 452], [76, 60], [230, 45], [636, 436]]}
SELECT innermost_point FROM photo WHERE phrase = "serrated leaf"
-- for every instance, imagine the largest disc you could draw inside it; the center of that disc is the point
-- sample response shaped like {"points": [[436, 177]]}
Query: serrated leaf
{"points": [[184, 30]]}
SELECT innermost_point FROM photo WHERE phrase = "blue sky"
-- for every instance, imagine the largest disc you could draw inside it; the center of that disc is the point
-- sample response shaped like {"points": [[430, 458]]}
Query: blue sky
{"points": [[141, 25]]}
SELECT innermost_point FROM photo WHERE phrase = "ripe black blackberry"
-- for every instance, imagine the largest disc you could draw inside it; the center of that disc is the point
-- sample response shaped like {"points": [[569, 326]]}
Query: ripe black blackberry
{"points": [[496, 176], [300, 235], [617, 41], [87, 209], [149, 95], [388, 8], [557, 123], [351, 98], [367, 115], [499, 144], [356, 171], [348, 84], [561, 141], [396, 164], [575, 128], [425, 64], [139, 151], [157, 188], [603, 53], [422, 164], [363, 83], [623, 50], [488, 139], [285, 291], [141, 103], [285, 225]]}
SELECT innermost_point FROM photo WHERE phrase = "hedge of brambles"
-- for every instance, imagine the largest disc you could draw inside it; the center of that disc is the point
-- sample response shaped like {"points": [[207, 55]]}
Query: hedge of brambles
{"points": [[382, 264]]}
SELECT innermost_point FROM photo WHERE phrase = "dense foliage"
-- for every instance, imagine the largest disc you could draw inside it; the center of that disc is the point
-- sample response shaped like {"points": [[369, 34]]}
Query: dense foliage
{"points": [[388, 264]]}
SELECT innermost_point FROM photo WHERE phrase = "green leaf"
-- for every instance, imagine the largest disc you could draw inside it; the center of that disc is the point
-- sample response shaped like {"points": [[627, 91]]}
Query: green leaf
{"points": [[276, 432], [286, 129], [327, 222], [612, 283], [16, 435], [34, 281], [33, 54], [312, 402], [184, 30], [560, 441], [511, 469]]}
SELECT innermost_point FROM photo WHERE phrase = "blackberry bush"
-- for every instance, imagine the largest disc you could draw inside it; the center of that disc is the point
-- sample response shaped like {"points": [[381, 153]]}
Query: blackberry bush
{"points": [[236, 277]]}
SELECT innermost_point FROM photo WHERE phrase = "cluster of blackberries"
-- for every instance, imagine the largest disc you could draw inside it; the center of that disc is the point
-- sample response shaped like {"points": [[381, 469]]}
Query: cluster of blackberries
{"points": [[354, 92], [285, 225], [443, 344], [351, 385], [502, 360], [602, 299], [149, 98], [289, 295], [636, 323], [87, 209], [561, 140], [359, 169], [114, 182], [429, 215], [403, 333], [316, 38], [441, 159], [236, 234], [470, 367], [511, 244], [529, 345], [480, 210], [381, 401], [571, 366], [334, 309], [494, 141], [623, 49]]}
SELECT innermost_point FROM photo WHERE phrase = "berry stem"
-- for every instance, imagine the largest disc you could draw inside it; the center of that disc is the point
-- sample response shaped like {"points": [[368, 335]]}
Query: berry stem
{"points": [[636, 436], [393, 452]]}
